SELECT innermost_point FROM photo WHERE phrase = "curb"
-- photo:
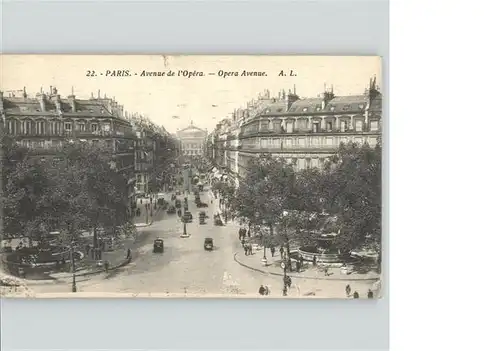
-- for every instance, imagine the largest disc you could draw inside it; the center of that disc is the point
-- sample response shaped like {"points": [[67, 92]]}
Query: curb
{"points": [[51, 280], [120, 265], [298, 276]]}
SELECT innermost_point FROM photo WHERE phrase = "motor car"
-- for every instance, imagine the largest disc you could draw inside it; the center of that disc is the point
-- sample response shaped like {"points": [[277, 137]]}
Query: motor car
{"points": [[187, 217], [202, 217], [158, 246], [208, 244]]}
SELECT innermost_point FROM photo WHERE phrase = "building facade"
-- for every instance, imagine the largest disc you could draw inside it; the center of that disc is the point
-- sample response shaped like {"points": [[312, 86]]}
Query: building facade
{"points": [[144, 160], [305, 132], [44, 122], [192, 140], [156, 154]]}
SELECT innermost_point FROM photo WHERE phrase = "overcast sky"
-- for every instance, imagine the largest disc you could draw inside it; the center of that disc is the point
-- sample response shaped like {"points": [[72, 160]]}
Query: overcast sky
{"points": [[203, 100]]}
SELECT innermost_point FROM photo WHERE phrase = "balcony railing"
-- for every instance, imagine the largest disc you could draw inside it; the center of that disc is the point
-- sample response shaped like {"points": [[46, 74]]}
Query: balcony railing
{"points": [[364, 129], [82, 134]]}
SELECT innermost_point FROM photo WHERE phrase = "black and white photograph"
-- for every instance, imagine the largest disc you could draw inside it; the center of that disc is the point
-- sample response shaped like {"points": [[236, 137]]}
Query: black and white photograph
{"points": [[191, 176]]}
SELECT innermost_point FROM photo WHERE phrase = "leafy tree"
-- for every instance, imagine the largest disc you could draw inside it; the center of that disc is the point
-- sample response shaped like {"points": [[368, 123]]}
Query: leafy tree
{"points": [[89, 193], [354, 193], [308, 191], [25, 192], [265, 193]]}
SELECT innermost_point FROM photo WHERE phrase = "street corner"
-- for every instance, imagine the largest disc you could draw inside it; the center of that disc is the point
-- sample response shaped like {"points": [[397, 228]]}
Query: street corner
{"points": [[252, 262], [274, 266]]}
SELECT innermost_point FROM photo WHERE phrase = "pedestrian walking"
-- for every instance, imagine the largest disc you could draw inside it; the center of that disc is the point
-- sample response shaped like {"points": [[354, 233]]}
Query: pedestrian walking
{"points": [[106, 266], [301, 260], [315, 260], [348, 290], [281, 252], [129, 254], [273, 250]]}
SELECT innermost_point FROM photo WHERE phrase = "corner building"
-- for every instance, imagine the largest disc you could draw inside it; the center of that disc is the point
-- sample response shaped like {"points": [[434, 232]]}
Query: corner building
{"points": [[305, 132], [44, 122]]}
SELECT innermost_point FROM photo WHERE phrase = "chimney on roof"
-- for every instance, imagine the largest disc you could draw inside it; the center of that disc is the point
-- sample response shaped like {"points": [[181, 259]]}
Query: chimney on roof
{"points": [[92, 95], [41, 99], [1, 100], [57, 100], [72, 101], [99, 93], [290, 99]]}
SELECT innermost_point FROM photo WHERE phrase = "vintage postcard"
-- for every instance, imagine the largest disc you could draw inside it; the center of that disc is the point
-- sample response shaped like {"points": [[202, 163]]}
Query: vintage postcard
{"points": [[191, 176]]}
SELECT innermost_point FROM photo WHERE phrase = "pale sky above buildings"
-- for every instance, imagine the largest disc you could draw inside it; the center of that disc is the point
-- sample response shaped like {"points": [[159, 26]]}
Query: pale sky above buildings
{"points": [[203, 100]]}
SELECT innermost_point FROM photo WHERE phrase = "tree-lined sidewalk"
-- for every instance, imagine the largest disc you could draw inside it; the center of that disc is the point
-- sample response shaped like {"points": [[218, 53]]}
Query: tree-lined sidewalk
{"points": [[79, 190], [292, 205]]}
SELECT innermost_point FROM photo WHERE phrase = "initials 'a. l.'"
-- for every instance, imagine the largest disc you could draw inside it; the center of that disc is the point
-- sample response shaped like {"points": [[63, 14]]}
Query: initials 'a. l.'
{"points": [[283, 74]]}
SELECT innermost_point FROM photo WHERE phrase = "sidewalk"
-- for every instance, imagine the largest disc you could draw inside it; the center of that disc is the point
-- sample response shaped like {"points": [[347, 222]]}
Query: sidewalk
{"points": [[140, 221], [273, 267], [116, 258]]}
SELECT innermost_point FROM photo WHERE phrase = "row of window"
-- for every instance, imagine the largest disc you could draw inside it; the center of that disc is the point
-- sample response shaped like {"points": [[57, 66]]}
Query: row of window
{"points": [[315, 126], [192, 146], [40, 144], [298, 163], [28, 127], [306, 142], [192, 152]]}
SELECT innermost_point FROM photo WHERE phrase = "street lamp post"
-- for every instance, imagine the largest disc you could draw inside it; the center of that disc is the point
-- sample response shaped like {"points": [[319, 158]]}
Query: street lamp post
{"points": [[184, 228], [72, 253], [285, 278], [284, 262]]}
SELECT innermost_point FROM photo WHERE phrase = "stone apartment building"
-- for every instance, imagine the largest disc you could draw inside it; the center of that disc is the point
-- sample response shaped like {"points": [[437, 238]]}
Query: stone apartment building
{"points": [[45, 121], [155, 157], [305, 131]]}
